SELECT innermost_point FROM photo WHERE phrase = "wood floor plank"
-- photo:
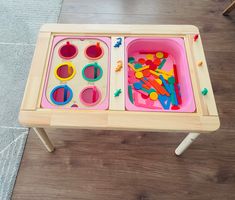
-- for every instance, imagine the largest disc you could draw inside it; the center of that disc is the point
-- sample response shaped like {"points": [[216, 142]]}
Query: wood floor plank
{"points": [[112, 165]]}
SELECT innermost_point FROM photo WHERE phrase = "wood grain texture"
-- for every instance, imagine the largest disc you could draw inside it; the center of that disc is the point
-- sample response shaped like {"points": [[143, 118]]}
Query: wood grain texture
{"points": [[114, 165]]}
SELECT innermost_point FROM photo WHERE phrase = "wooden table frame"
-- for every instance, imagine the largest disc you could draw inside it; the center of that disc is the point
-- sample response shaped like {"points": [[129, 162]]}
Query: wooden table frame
{"points": [[204, 120]]}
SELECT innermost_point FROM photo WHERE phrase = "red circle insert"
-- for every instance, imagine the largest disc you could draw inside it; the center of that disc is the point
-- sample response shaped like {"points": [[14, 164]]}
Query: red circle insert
{"points": [[94, 52], [68, 51]]}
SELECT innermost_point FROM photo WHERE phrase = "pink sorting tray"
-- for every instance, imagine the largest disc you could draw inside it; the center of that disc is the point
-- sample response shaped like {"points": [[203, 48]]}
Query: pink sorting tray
{"points": [[177, 55], [47, 103]]}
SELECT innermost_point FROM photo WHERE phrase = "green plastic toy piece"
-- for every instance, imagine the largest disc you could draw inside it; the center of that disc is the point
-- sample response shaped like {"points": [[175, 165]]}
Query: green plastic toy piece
{"points": [[162, 64], [204, 91], [130, 94], [117, 92], [138, 65], [131, 60], [171, 80]]}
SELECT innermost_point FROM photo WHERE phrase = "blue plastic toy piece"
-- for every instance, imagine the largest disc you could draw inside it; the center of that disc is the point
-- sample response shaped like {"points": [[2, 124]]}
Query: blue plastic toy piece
{"points": [[118, 43], [165, 101], [65, 92], [137, 85]]}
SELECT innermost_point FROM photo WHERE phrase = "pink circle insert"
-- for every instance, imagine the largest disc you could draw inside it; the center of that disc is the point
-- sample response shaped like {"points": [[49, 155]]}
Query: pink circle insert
{"points": [[90, 96]]}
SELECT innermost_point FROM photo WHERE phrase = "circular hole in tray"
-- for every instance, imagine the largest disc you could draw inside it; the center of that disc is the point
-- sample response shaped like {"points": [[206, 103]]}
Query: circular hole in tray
{"points": [[61, 95], [92, 72], [90, 96], [68, 51], [94, 51], [65, 71]]}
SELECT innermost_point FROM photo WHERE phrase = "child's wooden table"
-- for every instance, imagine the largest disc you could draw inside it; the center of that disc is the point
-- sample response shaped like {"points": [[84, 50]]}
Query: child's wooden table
{"points": [[119, 77]]}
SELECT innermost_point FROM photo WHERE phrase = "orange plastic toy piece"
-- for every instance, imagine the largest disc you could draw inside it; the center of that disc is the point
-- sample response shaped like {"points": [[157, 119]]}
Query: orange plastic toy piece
{"points": [[119, 66], [146, 82], [158, 87], [200, 63], [145, 87]]}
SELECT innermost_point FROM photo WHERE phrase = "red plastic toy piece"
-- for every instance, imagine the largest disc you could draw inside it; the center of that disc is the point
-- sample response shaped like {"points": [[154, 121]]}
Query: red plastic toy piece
{"points": [[153, 67], [144, 96], [157, 61], [175, 107], [141, 61], [146, 73], [165, 55], [195, 37], [158, 87], [148, 62], [175, 74]]}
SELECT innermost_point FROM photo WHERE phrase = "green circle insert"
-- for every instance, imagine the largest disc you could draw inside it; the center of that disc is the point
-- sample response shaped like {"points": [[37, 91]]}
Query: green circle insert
{"points": [[92, 72]]}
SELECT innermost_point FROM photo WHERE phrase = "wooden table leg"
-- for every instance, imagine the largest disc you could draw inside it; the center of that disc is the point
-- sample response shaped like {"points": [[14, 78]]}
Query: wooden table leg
{"points": [[229, 8], [188, 140], [41, 133]]}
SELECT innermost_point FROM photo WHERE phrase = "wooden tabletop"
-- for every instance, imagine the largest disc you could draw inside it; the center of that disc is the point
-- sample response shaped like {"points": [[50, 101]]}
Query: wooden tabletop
{"points": [[205, 119]]}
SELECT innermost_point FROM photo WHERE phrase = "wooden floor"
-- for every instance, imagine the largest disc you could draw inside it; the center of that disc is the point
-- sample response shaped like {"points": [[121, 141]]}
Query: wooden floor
{"points": [[112, 165]]}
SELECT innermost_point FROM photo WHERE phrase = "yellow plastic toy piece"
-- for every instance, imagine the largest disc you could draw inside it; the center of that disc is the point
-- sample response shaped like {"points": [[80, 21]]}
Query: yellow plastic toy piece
{"points": [[132, 66], [149, 56], [139, 75], [159, 81], [159, 55], [153, 96], [142, 68], [165, 76], [154, 73], [170, 73], [71, 71]]}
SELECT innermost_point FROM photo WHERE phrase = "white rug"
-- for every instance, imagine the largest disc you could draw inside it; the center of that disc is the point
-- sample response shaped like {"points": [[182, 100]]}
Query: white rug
{"points": [[20, 21]]}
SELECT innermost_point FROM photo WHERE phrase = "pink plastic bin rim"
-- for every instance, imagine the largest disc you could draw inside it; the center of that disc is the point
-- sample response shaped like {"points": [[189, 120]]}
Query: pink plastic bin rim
{"points": [[45, 103], [175, 47]]}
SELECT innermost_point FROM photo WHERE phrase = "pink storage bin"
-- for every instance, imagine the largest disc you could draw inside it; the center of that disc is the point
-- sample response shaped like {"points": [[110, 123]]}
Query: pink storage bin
{"points": [[177, 55]]}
